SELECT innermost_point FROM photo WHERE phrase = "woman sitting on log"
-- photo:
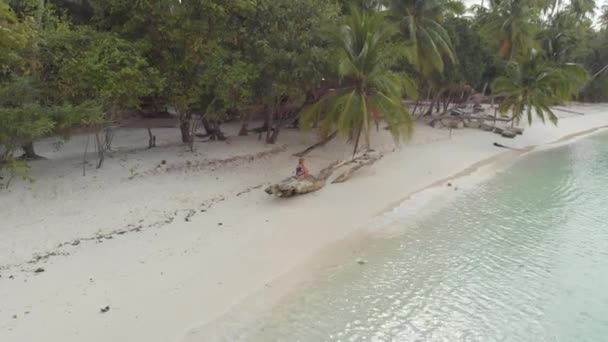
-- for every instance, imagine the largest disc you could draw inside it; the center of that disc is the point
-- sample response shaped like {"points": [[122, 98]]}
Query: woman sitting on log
{"points": [[301, 169]]}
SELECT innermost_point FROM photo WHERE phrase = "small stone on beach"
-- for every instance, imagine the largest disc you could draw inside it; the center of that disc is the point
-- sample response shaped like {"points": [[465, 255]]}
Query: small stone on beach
{"points": [[76, 243], [361, 262], [105, 309], [39, 270]]}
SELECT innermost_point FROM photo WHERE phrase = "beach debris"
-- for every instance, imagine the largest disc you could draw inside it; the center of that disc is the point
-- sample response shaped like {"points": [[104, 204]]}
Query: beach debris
{"points": [[105, 309], [365, 159], [486, 127], [516, 130], [453, 123], [449, 184], [163, 162], [472, 124], [361, 262], [220, 224], [509, 133], [11, 277], [76, 243], [14, 316], [39, 270], [294, 186]]}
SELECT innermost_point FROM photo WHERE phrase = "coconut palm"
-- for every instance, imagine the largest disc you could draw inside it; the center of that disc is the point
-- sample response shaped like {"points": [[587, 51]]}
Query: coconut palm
{"points": [[420, 21], [369, 91], [511, 24], [534, 86]]}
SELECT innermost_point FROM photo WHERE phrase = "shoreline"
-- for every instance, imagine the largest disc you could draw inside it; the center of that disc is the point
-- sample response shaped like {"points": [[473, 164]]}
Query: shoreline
{"points": [[250, 313], [168, 283]]}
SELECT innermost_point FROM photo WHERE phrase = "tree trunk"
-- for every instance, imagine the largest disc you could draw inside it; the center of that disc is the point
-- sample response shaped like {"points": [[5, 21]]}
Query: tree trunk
{"points": [[415, 107], [184, 127], [84, 156], [244, 131], [216, 133], [357, 139], [270, 120], [275, 134], [109, 135], [207, 126], [151, 139], [101, 149], [28, 151]]}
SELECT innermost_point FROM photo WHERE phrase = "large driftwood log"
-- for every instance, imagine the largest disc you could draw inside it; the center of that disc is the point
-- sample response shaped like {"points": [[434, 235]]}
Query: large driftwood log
{"points": [[294, 186], [365, 159]]}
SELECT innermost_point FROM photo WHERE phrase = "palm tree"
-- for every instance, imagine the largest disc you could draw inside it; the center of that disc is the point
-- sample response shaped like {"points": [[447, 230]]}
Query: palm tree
{"points": [[420, 21], [511, 23], [535, 86], [369, 91]]}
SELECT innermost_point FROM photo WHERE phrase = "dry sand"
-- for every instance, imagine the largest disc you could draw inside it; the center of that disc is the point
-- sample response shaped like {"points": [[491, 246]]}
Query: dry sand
{"points": [[172, 247]]}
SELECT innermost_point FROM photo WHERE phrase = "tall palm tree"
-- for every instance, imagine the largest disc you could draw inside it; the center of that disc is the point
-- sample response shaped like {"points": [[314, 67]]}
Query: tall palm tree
{"points": [[511, 23], [420, 21], [535, 86], [369, 91]]}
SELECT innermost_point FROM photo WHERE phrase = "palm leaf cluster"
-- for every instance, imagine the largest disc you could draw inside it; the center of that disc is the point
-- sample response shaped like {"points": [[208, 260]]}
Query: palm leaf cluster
{"points": [[534, 86], [511, 23], [369, 91], [429, 44]]}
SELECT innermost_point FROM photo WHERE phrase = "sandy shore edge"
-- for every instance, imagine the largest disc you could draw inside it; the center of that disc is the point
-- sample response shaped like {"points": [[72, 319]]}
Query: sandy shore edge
{"points": [[184, 279], [242, 319]]}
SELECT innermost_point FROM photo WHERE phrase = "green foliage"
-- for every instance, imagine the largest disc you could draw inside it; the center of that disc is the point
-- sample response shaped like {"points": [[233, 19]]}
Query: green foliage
{"points": [[604, 17], [369, 91], [14, 37], [534, 86], [510, 27], [474, 58], [421, 24], [81, 64], [292, 50]]}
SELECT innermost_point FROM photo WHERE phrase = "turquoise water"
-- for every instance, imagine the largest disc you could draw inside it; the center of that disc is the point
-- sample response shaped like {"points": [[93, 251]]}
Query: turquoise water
{"points": [[522, 257]]}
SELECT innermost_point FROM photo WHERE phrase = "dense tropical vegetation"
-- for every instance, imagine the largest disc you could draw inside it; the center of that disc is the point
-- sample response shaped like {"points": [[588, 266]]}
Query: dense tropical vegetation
{"points": [[344, 65]]}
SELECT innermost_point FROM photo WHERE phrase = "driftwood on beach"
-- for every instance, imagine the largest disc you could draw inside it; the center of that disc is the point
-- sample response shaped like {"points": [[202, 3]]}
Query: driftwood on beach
{"points": [[294, 186]]}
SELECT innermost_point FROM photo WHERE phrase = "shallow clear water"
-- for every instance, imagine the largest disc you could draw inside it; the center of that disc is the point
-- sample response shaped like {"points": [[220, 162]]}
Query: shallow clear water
{"points": [[523, 257]]}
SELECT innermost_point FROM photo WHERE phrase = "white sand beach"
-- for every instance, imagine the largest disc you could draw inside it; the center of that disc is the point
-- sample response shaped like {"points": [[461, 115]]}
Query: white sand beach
{"points": [[171, 241]]}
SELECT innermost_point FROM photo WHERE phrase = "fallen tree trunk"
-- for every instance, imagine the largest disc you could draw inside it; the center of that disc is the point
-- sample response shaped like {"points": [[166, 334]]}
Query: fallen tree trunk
{"points": [[294, 186], [365, 159]]}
